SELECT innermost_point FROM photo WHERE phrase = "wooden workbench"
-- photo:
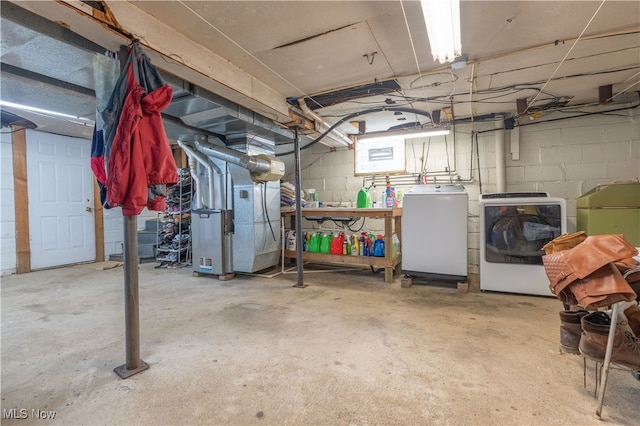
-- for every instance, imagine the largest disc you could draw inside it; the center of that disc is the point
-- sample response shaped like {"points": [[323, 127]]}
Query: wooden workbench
{"points": [[392, 223]]}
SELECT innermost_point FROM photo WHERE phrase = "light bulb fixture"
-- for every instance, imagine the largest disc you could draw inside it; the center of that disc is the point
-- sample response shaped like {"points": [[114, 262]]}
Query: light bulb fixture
{"points": [[443, 28], [412, 133]]}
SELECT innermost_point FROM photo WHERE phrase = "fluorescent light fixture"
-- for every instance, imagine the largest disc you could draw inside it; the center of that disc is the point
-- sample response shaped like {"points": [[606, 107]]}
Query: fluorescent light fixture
{"points": [[51, 114], [416, 132], [443, 27]]}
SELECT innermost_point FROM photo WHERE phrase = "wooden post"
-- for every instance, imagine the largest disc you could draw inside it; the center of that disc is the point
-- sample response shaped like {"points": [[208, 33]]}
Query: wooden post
{"points": [[21, 199]]}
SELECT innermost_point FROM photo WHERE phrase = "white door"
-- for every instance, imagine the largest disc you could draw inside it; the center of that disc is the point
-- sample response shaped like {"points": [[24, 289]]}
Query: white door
{"points": [[60, 188]]}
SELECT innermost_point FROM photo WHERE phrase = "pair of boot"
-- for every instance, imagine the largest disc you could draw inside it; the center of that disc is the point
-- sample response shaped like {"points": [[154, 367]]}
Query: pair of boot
{"points": [[587, 333]]}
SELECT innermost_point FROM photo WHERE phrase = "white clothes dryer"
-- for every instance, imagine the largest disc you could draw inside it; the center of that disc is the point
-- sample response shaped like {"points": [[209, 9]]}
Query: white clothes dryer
{"points": [[514, 227]]}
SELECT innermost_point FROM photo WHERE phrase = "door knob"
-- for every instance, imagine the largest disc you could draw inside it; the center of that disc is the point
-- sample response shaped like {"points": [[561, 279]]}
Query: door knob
{"points": [[89, 209]]}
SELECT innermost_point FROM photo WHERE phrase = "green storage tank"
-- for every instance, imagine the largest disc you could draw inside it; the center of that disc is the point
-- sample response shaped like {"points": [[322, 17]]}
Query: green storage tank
{"points": [[611, 209]]}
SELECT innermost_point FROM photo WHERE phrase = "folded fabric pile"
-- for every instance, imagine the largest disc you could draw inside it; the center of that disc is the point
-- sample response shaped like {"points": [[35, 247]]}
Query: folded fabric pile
{"points": [[288, 195], [582, 271], [593, 273]]}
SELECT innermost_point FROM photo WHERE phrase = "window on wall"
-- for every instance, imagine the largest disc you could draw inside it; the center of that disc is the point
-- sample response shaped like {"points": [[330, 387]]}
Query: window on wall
{"points": [[380, 156]]}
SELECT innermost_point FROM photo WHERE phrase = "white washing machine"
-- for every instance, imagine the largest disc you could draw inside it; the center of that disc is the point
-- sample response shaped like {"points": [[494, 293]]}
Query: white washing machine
{"points": [[514, 226], [434, 232]]}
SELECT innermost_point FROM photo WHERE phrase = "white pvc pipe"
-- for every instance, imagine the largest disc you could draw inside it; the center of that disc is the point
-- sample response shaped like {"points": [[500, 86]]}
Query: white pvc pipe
{"points": [[501, 168], [334, 134]]}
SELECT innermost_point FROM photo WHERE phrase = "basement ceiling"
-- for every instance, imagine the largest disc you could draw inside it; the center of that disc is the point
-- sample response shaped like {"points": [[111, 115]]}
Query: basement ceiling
{"points": [[245, 65]]}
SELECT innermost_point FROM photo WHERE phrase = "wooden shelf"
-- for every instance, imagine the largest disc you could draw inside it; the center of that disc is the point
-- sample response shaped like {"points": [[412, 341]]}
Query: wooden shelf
{"points": [[392, 224], [376, 261]]}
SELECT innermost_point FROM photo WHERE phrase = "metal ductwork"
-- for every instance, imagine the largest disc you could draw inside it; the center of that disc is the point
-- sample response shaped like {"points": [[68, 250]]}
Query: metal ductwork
{"points": [[204, 161], [241, 234], [263, 168]]}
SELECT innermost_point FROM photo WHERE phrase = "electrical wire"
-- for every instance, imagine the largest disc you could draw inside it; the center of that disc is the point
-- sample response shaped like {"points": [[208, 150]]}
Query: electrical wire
{"points": [[413, 48], [349, 225], [356, 114], [424, 169], [446, 150], [252, 56], [265, 210], [478, 160], [13, 131], [529, 104], [624, 90]]}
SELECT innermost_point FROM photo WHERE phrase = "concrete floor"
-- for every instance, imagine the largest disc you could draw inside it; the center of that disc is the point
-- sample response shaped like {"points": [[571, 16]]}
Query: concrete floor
{"points": [[348, 349]]}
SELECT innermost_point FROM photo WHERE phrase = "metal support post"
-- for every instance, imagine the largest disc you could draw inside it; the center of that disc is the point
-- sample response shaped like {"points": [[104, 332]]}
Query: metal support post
{"points": [[607, 360], [134, 364], [299, 235]]}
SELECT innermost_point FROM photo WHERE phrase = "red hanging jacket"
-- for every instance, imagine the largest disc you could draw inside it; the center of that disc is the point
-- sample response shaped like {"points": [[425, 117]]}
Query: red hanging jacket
{"points": [[140, 154]]}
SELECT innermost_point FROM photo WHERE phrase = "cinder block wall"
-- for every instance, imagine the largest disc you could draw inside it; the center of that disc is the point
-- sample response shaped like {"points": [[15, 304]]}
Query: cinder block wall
{"points": [[565, 158]]}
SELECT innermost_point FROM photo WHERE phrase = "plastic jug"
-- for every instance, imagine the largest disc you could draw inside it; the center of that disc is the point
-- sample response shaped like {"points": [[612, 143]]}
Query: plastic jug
{"points": [[336, 244], [390, 200], [378, 246], [291, 240], [395, 247], [364, 199], [314, 243], [325, 243]]}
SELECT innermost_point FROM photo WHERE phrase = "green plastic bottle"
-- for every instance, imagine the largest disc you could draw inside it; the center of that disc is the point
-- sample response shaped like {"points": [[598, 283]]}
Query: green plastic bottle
{"points": [[364, 199], [314, 243], [325, 243]]}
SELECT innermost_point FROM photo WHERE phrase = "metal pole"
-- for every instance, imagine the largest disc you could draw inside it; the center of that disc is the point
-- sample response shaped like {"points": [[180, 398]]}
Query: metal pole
{"points": [[134, 364], [298, 222], [607, 360]]}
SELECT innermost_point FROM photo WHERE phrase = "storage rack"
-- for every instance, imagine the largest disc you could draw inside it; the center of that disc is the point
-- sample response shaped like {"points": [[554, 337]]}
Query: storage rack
{"points": [[174, 236], [392, 223]]}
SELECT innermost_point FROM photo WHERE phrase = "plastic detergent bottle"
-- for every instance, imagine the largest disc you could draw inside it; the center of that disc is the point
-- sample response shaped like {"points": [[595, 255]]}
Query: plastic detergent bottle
{"points": [[364, 199], [325, 243], [378, 246], [336, 244], [355, 246], [391, 197], [291, 241], [395, 247], [314, 243], [365, 245]]}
